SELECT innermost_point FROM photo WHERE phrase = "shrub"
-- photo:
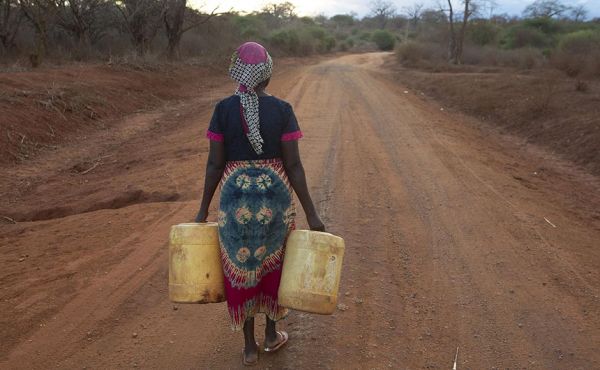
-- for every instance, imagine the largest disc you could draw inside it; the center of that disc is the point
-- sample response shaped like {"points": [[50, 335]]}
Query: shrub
{"points": [[521, 36], [249, 26], [384, 40], [580, 42], [482, 33], [412, 53], [365, 36], [346, 45], [327, 44], [545, 25], [317, 32], [578, 54], [286, 40], [303, 40]]}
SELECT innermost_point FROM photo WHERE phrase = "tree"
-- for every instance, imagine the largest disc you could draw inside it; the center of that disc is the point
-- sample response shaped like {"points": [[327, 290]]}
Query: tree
{"points": [[143, 19], [579, 13], [413, 12], [80, 18], [10, 20], [457, 36], [382, 11], [545, 9], [276, 14], [40, 13], [488, 7], [342, 20], [284, 10], [179, 19]]}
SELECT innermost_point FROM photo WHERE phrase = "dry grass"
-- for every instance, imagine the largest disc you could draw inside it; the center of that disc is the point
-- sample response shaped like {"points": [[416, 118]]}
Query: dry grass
{"points": [[542, 105], [586, 66], [41, 109], [431, 56]]}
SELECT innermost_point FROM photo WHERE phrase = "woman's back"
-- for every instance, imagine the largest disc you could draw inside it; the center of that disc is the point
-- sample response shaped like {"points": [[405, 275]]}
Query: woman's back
{"points": [[277, 123]]}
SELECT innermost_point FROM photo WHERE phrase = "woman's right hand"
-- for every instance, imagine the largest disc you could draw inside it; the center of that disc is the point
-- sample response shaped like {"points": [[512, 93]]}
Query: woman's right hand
{"points": [[315, 223], [202, 216]]}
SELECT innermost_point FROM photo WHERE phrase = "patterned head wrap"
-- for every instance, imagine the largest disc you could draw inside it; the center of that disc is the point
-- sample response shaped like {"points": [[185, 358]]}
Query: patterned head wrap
{"points": [[251, 64]]}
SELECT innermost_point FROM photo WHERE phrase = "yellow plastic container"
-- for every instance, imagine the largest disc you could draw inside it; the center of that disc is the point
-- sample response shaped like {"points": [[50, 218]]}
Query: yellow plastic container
{"points": [[312, 268], [195, 270]]}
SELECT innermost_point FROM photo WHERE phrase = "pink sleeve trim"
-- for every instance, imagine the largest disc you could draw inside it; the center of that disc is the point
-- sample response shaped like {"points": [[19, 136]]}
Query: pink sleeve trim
{"points": [[214, 136], [290, 136]]}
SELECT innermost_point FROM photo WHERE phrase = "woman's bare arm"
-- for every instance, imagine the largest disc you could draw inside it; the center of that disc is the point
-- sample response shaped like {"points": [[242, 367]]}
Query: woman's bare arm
{"points": [[295, 172], [214, 171]]}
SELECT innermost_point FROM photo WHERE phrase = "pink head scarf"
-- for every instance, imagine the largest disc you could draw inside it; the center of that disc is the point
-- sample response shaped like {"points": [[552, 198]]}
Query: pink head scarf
{"points": [[251, 64]]}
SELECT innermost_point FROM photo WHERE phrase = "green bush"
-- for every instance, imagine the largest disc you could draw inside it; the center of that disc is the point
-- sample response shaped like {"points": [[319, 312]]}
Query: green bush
{"points": [[286, 40], [580, 42], [249, 26], [303, 40], [522, 36], [412, 53], [365, 36], [318, 33], [578, 54], [327, 44], [483, 33], [547, 26], [384, 40]]}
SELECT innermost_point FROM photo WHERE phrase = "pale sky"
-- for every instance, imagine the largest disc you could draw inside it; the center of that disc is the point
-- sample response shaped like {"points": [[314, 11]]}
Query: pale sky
{"points": [[361, 7]]}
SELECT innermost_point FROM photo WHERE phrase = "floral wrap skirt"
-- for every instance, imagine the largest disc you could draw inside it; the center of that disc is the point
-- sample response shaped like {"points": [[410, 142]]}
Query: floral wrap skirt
{"points": [[256, 214]]}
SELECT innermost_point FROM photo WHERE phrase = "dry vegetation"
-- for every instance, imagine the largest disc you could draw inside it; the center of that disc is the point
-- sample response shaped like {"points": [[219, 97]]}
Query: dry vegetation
{"points": [[75, 66], [46, 107], [33, 32], [537, 76]]}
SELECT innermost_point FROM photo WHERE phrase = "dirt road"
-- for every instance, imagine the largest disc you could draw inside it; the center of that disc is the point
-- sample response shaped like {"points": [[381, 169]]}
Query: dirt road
{"points": [[456, 237]]}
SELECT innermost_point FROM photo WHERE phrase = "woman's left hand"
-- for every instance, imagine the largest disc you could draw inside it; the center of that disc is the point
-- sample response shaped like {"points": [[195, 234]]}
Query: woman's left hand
{"points": [[315, 223]]}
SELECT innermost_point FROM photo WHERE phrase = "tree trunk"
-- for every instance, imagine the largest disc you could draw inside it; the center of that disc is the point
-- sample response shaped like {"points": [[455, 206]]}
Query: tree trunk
{"points": [[461, 35], [452, 35], [174, 18]]}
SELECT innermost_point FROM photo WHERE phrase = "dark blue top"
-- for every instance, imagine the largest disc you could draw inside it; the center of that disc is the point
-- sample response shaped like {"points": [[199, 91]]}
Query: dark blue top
{"points": [[277, 123]]}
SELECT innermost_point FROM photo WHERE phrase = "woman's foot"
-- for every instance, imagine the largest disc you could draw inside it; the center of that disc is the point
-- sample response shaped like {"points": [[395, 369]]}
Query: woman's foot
{"points": [[250, 355], [276, 341]]}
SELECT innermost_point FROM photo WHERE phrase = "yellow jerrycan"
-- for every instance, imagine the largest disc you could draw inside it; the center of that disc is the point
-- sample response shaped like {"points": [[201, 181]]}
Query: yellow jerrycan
{"points": [[195, 270], [312, 268]]}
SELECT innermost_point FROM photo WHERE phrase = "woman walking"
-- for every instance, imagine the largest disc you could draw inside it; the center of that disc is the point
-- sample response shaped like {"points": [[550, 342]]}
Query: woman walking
{"points": [[254, 155]]}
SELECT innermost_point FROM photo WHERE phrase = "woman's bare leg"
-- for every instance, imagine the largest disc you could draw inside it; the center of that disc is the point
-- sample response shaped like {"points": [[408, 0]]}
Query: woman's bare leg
{"points": [[271, 338], [250, 347]]}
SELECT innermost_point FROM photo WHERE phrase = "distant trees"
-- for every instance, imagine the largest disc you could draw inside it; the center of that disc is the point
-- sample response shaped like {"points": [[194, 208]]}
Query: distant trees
{"points": [[80, 18], [342, 20], [285, 10], [457, 27], [413, 12], [142, 20], [382, 11], [83, 29], [545, 9], [578, 13], [41, 14], [10, 20], [179, 19]]}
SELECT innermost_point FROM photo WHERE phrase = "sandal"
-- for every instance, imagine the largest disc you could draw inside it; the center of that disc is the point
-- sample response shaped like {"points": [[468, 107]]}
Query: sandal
{"points": [[250, 363], [284, 338]]}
